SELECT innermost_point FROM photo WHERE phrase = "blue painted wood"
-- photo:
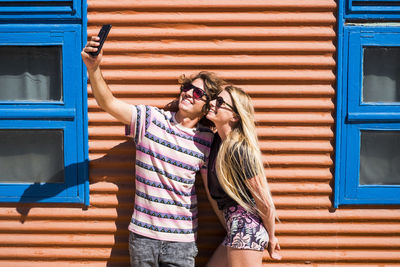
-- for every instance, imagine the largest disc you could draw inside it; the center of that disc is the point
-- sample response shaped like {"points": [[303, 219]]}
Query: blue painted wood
{"points": [[84, 151], [359, 38], [36, 9], [47, 192], [354, 193], [70, 114], [34, 113], [357, 117], [339, 141], [372, 9]]}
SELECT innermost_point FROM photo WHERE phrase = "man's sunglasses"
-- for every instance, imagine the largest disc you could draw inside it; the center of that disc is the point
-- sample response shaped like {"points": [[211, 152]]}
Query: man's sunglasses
{"points": [[220, 101], [197, 92]]}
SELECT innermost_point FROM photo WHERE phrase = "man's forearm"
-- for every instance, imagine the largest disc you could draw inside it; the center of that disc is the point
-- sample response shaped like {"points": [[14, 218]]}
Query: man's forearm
{"points": [[100, 89], [118, 109]]}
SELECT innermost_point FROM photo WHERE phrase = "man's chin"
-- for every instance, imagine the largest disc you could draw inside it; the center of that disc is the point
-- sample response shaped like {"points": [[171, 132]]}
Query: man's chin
{"points": [[185, 104], [183, 107]]}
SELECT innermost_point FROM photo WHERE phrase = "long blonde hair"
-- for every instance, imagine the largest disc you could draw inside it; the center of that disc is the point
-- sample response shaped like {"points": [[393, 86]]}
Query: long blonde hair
{"points": [[242, 145]]}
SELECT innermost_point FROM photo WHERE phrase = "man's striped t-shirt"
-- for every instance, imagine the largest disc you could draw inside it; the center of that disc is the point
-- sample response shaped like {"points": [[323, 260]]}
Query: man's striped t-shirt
{"points": [[168, 156]]}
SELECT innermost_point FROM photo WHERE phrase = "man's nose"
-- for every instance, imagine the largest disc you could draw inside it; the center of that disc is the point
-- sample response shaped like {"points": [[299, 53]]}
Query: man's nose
{"points": [[189, 93]]}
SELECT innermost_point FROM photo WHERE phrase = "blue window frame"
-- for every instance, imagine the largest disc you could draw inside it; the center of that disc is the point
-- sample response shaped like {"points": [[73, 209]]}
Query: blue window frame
{"points": [[67, 115], [358, 39], [354, 192], [359, 117]]}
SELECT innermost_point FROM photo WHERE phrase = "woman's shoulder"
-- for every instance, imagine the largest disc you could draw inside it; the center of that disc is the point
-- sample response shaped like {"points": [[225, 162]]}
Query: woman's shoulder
{"points": [[241, 149]]}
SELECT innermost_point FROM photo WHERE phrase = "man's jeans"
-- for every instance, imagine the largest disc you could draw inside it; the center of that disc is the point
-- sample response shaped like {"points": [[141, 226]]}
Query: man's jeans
{"points": [[148, 252]]}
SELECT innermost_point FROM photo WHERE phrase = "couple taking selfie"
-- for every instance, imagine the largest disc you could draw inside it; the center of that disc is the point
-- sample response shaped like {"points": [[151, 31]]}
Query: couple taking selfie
{"points": [[209, 129]]}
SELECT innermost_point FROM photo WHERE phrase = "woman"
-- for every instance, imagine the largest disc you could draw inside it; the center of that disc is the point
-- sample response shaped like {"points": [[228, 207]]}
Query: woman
{"points": [[236, 181]]}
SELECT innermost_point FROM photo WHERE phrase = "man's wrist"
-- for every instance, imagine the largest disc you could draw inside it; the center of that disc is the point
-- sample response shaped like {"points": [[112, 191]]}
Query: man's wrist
{"points": [[94, 73]]}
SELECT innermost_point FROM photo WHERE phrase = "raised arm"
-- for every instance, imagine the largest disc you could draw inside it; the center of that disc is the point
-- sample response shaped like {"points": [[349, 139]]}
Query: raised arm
{"points": [[102, 93]]}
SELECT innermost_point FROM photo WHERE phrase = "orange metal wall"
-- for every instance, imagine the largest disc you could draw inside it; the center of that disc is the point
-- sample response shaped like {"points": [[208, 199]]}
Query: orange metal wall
{"points": [[283, 53]]}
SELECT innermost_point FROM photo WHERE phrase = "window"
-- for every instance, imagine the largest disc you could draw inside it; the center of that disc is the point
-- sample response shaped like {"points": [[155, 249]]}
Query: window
{"points": [[368, 115], [43, 125]]}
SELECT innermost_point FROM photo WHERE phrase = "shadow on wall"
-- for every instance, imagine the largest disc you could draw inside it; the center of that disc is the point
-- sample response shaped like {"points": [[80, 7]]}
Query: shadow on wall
{"points": [[37, 193], [116, 167], [115, 172]]}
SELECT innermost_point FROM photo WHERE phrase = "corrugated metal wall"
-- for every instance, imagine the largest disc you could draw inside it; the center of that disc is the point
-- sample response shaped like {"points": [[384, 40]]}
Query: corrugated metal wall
{"points": [[283, 54]]}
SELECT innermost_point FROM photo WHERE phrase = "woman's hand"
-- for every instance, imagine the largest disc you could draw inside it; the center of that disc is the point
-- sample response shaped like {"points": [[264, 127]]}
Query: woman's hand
{"points": [[91, 62], [273, 248]]}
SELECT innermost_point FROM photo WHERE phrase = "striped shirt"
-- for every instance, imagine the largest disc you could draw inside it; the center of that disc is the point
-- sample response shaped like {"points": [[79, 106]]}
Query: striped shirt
{"points": [[168, 156]]}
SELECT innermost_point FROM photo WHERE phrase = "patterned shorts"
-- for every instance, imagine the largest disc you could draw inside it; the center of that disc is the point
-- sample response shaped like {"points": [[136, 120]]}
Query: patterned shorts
{"points": [[244, 229]]}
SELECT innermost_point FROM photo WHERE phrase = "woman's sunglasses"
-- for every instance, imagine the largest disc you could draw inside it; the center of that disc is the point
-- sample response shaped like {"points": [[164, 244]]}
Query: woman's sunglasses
{"points": [[197, 92], [220, 101]]}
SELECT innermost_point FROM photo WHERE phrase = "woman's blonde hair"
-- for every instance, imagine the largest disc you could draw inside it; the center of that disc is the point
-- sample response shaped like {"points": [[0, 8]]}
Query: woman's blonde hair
{"points": [[241, 145]]}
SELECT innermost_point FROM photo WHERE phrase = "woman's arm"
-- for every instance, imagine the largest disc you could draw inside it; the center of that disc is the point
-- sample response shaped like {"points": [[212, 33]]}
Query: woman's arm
{"points": [[213, 203], [268, 218]]}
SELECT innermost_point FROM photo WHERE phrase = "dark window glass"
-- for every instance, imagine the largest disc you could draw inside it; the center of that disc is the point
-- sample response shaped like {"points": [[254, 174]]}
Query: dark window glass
{"points": [[30, 73], [380, 158], [381, 74], [33, 156]]}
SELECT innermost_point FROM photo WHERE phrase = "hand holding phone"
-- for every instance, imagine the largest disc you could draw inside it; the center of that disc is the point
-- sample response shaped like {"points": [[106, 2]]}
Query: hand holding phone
{"points": [[105, 29]]}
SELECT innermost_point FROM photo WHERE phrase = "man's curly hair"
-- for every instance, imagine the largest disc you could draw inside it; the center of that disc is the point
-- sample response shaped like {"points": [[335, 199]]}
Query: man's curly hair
{"points": [[213, 85]]}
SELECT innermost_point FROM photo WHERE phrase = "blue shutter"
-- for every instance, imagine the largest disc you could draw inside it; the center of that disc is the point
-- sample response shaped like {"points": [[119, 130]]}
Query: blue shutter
{"points": [[355, 116], [33, 9], [68, 115], [372, 9]]}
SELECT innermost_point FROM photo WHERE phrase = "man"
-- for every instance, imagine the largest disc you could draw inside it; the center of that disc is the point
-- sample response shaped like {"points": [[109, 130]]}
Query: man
{"points": [[171, 147]]}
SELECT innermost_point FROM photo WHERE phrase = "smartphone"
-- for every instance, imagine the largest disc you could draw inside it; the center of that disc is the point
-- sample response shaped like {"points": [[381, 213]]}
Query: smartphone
{"points": [[103, 33]]}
